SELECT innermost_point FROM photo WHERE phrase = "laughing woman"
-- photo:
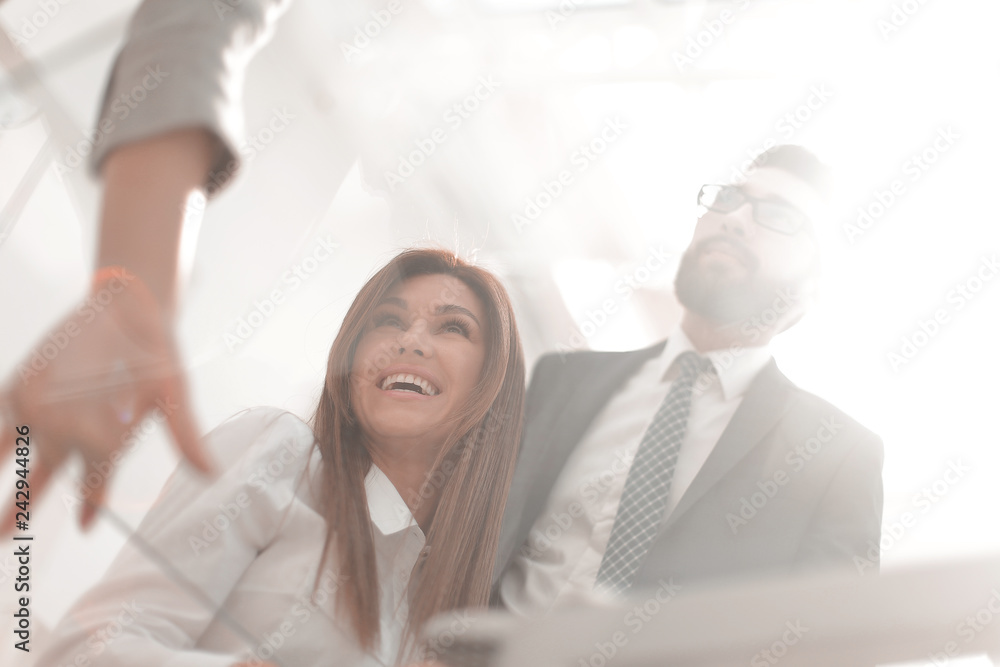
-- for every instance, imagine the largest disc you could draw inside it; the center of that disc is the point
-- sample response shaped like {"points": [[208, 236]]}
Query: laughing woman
{"points": [[332, 544]]}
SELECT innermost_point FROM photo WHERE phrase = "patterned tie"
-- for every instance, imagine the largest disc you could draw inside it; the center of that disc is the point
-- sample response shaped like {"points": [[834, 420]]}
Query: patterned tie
{"points": [[648, 483]]}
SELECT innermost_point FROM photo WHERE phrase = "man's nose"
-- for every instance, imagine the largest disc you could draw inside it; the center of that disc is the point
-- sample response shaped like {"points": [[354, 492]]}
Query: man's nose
{"points": [[740, 222]]}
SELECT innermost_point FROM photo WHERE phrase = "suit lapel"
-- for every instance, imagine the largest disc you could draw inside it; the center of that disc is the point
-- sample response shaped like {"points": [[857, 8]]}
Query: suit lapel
{"points": [[537, 475], [767, 399], [589, 398]]}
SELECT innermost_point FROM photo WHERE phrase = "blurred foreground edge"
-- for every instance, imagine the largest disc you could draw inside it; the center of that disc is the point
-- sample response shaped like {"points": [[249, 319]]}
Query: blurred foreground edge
{"points": [[931, 614]]}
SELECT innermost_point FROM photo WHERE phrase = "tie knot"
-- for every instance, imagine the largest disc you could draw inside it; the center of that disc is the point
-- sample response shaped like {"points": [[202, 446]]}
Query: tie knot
{"points": [[690, 365]]}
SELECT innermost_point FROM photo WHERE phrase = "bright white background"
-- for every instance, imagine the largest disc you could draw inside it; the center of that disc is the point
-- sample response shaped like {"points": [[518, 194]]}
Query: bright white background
{"points": [[889, 92]]}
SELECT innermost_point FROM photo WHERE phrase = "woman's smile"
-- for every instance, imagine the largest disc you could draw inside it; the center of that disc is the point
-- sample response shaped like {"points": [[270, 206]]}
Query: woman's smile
{"points": [[418, 362]]}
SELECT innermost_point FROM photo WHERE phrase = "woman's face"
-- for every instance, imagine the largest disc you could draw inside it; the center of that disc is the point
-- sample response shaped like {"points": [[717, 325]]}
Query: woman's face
{"points": [[418, 364]]}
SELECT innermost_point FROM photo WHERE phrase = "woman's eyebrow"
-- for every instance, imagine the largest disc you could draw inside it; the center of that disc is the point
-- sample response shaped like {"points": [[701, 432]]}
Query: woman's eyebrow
{"points": [[393, 301], [455, 308]]}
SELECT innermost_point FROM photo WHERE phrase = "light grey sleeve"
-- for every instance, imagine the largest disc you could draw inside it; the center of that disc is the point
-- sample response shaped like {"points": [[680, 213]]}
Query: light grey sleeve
{"points": [[182, 65]]}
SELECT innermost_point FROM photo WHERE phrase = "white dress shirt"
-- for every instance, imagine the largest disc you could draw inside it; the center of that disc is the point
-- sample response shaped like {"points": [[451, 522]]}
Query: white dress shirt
{"points": [[248, 543], [559, 562]]}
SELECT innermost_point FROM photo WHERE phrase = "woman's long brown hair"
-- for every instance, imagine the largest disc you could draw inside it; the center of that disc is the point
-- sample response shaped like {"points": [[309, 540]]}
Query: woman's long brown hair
{"points": [[472, 471]]}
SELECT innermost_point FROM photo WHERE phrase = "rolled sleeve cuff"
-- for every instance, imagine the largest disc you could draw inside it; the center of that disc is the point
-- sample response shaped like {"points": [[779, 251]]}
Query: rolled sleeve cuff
{"points": [[182, 66]]}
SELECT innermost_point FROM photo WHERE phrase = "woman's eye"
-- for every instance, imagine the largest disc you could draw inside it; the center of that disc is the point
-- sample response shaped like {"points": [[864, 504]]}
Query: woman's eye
{"points": [[388, 321], [456, 326]]}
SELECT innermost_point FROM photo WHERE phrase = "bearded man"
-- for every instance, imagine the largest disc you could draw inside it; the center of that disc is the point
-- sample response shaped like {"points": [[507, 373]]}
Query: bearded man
{"points": [[696, 460]]}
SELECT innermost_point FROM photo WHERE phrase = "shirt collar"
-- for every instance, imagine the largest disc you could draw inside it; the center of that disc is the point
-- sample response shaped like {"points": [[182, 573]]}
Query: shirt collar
{"points": [[735, 367], [386, 507]]}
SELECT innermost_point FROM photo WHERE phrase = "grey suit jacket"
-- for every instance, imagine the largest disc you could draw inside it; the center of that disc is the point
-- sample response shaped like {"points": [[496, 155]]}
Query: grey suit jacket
{"points": [[792, 483]]}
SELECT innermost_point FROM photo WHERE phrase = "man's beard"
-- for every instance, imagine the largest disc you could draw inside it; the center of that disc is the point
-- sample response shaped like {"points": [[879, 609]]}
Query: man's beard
{"points": [[720, 298]]}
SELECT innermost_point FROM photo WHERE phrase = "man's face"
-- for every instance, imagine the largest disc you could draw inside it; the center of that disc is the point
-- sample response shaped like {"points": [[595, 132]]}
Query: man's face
{"points": [[735, 268]]}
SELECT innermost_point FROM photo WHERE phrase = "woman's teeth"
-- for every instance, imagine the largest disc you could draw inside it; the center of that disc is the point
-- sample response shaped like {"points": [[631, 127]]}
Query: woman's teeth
{"points": [[408, 382]]}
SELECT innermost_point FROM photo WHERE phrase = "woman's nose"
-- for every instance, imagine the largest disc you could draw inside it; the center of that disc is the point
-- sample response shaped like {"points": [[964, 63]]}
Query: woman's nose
{"points": [[416, 339]]}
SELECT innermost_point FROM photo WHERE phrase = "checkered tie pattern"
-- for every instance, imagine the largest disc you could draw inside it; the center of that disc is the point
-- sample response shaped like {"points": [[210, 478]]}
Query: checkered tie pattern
{"points": [[648, 483]]}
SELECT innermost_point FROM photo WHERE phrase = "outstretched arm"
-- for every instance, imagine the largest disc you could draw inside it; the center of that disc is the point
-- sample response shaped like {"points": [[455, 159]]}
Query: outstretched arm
{"points": [[120, 361]]}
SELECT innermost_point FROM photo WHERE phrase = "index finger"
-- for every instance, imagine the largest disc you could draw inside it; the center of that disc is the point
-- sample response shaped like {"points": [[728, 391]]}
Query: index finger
{"points": [[182, 425]]}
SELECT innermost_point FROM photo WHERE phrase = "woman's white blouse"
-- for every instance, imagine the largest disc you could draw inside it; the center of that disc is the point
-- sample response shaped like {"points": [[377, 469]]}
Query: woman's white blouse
{"points": [[221, 571]]}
